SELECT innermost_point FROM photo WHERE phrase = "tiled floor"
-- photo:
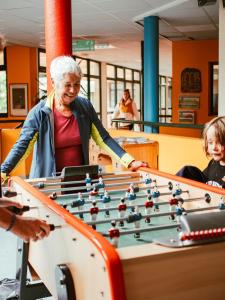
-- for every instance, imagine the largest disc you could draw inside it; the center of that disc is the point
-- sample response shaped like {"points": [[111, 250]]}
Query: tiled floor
{"points": [[8, 248]]}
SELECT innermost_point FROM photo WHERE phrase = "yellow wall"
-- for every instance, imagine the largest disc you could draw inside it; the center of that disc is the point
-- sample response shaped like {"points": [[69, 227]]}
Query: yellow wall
{"points": [[8, 137], [22, 68], [193, 54], [174, 151]]}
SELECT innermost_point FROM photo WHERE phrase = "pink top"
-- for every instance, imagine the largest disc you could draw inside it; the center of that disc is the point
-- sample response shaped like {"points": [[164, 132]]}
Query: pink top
{"points": [[68, 148]]}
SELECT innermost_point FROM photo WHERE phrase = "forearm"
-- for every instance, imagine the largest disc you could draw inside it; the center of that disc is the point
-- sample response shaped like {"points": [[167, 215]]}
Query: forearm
{"points": [[5, 218]]}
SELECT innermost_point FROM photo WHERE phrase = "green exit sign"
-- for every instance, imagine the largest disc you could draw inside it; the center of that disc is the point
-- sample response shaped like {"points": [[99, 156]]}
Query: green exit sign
{"points": [[83, 45]]}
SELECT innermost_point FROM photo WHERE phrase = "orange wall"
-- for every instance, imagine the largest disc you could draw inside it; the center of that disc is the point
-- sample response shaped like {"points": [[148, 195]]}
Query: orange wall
{"points": [[193, 54], [22, 68]]}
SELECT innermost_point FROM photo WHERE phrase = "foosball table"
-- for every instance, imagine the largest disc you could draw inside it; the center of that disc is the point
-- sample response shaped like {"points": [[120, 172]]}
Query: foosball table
{"points": [[130, 235]]}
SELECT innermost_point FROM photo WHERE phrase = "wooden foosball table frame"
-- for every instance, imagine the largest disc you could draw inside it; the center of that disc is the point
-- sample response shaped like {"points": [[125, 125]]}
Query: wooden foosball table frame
{"points": [[99, 271]]}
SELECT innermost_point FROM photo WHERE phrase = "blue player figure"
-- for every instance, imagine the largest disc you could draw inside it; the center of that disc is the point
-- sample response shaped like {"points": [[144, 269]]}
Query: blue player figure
{"points": [[100, 184], [173, 204], [147, 180], [106, 199], [79, 203], [179, 209], [178, 191], [155, 198], [131, 196], [88, 182], [135, 217], [148, 208], [114, 234], [222, 204]]}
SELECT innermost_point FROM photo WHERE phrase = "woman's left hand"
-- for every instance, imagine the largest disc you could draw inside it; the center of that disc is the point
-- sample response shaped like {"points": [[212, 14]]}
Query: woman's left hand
{"points": [[136, 164]]}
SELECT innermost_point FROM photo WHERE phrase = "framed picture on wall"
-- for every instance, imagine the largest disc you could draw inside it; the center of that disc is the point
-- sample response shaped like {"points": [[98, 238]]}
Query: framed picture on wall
{"points": [[18, 99], [191, 102], [186, 116]]}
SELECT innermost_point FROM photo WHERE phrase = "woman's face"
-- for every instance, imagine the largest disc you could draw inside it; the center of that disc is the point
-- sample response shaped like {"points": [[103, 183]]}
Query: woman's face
{"points": [[67, 89], [215, 149], [126, 95]]}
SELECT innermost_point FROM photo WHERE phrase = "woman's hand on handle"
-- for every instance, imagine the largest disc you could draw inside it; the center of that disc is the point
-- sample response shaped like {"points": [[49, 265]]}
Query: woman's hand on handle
{"points": [[136, 164]]}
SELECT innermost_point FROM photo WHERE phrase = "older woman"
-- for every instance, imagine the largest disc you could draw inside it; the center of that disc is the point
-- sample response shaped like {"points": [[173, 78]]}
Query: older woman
{"points": [[60, 128]]}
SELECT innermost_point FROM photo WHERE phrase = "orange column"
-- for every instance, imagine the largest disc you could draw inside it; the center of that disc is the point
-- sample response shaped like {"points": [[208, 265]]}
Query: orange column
{"points": [[58, 31]]}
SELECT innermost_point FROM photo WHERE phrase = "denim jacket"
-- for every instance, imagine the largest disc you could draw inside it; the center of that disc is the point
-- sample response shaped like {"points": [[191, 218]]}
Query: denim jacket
{"points": [[38, 134]]}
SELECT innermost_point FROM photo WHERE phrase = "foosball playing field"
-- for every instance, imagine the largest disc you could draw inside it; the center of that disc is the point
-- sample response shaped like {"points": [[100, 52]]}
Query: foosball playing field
{"points": [[128, 235]]}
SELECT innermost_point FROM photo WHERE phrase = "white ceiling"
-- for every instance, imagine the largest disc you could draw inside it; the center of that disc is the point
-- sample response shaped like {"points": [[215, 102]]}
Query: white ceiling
{"points": [[112, 22]]}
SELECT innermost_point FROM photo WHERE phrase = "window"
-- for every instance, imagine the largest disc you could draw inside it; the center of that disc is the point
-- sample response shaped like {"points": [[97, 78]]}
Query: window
{"points": [[42, 77], [3, 85], [165, 102], [118, 79], [90, 83], [213, 88]]}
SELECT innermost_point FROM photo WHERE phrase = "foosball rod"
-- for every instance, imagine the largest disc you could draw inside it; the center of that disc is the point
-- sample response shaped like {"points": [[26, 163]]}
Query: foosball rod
{"points": [[103, 221], [113, 192], [147, 229], [43, 184], [78, 188], [128, 206]]}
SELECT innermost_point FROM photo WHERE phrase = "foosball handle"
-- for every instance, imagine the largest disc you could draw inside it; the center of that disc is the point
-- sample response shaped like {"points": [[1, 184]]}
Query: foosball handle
{"points": [[9, 194], [17, 210]]}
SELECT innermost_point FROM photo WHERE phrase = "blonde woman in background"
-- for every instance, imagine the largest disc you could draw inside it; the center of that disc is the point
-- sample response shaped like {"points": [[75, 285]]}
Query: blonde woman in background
{"points": [[126, 109]]}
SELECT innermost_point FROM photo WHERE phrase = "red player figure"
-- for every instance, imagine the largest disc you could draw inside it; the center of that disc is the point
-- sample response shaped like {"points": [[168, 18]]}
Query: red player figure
{"points": [[122, 210], [173, 204], [148, 208], [94, 212], [114, 234], [94, 192]]}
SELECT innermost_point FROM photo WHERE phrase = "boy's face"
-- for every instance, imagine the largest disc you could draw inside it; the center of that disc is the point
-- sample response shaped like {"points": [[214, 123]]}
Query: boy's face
{"points": [[215, 149]]}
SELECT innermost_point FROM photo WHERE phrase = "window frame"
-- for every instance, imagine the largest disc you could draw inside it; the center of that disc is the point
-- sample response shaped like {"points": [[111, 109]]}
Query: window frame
{"points": [[4, 68]]}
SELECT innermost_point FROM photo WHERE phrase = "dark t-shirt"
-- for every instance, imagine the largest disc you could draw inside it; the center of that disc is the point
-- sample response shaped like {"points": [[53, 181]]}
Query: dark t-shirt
{"points": [[214, 174]]}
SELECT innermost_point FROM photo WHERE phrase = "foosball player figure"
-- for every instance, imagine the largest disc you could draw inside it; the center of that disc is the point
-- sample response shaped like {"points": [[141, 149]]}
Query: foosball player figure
{"points": [[94, 210], [122, 207], [114, 234], [135, 217], [148, 208], [147, 180], [155, 198], [106, 199], [173, 202], [131, 196], [93, 192], [53, 196], [79, 203], [222, 204], [178, 191], [88, 182], [100, 184], [170, 186], [179, 209]]}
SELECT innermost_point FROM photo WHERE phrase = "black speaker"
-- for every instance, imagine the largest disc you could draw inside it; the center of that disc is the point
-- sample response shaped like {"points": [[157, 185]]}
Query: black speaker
{"points": [[207, 2]]}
